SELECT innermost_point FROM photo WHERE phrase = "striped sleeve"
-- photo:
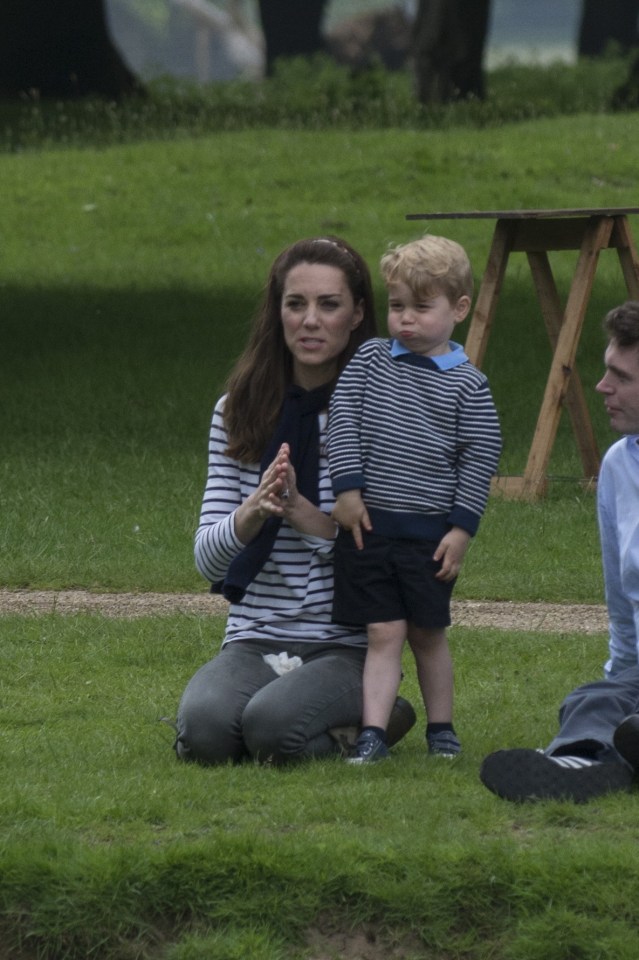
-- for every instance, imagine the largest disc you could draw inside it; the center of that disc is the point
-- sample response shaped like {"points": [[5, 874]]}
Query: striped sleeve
{"points": [[343, 441], [215, 541], [290, 599], [479, 449]]}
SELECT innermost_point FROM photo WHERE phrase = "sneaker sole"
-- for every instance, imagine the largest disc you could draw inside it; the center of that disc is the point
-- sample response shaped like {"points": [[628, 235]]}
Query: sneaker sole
{"points": [[626, 740], [362, 762], [521, 775]]}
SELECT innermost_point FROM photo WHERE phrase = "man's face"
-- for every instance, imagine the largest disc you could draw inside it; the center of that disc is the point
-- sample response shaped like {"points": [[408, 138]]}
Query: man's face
{"points": [[620, 387]]}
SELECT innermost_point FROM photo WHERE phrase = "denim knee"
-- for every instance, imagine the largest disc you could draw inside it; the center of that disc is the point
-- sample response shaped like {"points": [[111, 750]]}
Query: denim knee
{"points": [[265, 738], [206, 735]]}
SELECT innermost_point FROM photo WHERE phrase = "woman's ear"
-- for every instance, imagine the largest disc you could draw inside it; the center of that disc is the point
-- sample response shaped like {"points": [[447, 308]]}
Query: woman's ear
{"points": [[358, 315]]}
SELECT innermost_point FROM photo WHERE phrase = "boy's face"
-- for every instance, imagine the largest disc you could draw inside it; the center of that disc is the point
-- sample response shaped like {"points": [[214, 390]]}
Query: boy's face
{"points": [[423, 325]]}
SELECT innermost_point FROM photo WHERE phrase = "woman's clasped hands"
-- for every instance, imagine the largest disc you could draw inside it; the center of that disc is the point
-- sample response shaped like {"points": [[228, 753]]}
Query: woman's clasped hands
{"points": [[277, 491]]}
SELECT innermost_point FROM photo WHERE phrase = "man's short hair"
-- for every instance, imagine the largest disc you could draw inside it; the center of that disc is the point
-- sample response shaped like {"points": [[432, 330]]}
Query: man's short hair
{"points": [[622, 324]]}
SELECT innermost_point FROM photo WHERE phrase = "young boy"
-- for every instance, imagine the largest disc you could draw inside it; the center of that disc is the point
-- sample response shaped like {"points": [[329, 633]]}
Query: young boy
{"points": [[413, 441]]}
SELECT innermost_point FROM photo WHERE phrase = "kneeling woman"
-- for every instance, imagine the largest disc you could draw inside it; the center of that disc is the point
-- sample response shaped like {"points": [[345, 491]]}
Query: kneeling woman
{"points": [[286, 676]]}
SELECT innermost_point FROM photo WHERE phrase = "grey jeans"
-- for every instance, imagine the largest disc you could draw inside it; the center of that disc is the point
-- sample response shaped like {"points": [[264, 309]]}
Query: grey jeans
{"points": [[590, 714], [236, 706]]}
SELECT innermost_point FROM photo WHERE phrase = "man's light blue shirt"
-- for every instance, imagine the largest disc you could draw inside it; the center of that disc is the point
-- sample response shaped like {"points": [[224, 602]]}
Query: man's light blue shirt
{"points": [[618, 512]]}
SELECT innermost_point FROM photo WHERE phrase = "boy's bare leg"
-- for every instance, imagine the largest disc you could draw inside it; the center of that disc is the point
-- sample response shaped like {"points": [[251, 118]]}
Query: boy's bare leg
{"points": [[382, 671], [434, 671]]}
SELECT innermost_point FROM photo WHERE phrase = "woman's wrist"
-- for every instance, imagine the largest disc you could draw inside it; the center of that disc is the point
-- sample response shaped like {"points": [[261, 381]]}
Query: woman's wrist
{"points": [[249, 519], [308, 519]]}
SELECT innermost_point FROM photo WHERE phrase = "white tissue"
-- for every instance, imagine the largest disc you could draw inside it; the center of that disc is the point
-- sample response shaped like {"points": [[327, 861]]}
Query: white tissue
{"points": [[281, 662]]}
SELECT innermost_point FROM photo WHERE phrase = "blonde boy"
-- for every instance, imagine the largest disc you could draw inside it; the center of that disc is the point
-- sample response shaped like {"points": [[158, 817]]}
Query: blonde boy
{"points": [[413, 441]]}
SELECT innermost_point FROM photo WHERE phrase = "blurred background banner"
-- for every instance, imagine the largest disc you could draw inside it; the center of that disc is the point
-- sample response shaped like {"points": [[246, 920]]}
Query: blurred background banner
{"points": [[112, 48], [209, 40]]}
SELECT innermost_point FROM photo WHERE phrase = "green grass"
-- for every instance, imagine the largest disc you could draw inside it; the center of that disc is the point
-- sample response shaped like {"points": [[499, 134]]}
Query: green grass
{"points": [[135, 240], [129, 275], [111, 848]]}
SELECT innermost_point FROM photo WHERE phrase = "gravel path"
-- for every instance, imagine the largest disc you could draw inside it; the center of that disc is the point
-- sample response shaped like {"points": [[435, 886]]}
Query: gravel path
{"points": [[547, 617]]}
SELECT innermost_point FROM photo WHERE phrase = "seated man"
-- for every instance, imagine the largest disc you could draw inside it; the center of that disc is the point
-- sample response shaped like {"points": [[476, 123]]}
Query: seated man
{"points": [[596, 749]]}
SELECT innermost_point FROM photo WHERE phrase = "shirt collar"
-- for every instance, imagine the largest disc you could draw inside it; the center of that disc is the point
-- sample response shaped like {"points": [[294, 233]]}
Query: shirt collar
{"points": [[632, 443], [443, 361]]}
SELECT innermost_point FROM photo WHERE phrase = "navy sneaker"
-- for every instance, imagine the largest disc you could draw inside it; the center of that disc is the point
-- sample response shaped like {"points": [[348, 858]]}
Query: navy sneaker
{"points": [[369, 748], [402, 719], [443, 744]]}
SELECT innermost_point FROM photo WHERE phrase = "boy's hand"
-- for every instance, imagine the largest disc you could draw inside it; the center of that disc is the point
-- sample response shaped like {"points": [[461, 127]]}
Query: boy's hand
{"points": [[350, 513], [451, 551]]}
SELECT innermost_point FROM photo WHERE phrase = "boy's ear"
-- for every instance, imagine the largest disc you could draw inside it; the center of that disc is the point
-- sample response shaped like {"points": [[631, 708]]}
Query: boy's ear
{"points": [[462, 308]]}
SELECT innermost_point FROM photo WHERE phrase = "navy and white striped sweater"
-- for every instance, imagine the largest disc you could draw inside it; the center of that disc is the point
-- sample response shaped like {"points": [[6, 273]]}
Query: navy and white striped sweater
{"points": [[290, 600], [418, 435]]}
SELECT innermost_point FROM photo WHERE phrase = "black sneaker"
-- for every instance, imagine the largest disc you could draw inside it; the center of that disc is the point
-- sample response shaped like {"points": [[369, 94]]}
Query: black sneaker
{"points": [[369, 748], [626, 740], [521, 774]]}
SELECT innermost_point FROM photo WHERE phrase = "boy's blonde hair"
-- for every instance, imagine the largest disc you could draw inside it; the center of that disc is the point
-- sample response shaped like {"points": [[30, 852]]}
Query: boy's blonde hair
{"points": [[430, 266]]}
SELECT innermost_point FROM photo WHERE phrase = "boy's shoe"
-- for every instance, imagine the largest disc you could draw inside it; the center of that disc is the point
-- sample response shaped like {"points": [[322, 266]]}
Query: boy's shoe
{"points": [[443, 744], [402, 719], [521, 774], [626, 740], [369, 748]]}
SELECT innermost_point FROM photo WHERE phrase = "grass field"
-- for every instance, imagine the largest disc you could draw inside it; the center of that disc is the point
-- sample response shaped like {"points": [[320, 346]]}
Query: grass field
{"points": [[110, 848], [129, 271], [129, 276]]}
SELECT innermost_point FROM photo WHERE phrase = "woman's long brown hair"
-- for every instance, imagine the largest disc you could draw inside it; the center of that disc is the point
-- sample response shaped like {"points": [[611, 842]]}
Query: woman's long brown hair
{"points": [[263, 373]]}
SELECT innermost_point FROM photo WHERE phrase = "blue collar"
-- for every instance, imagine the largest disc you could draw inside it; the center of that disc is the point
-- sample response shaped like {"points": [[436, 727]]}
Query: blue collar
{"points": [[443, 361]]}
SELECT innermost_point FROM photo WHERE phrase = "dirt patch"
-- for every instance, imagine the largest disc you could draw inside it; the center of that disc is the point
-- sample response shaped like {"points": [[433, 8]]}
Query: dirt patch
{"points": [[545, 617], [124, 605], [362, 944]]}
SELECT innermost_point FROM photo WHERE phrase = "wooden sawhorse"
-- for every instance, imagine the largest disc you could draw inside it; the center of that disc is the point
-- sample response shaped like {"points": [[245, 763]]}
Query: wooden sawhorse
{"points": [[535, 232]]}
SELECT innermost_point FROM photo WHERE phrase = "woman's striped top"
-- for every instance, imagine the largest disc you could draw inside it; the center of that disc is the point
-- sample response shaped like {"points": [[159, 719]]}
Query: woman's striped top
{"points": [[291, 598]]}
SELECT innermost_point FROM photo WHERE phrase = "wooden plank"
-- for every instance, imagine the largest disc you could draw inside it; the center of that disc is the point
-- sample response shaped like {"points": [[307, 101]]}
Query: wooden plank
{"points": [[597, 238], [622, 240], [549, 234], [517, 488], [575, 399], [486, 303], [525, 214]]}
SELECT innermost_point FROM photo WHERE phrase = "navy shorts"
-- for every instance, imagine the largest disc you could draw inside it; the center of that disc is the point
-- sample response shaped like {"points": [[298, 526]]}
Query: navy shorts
{"points": [[390, 579]]}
